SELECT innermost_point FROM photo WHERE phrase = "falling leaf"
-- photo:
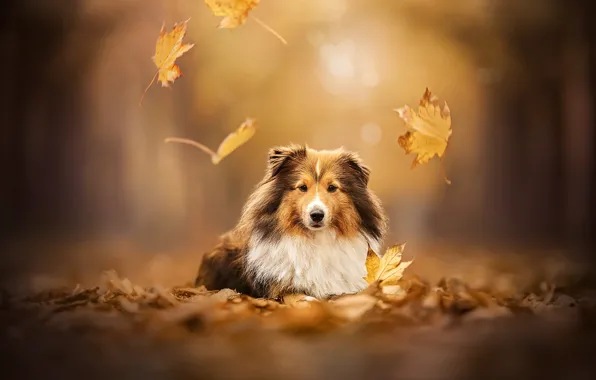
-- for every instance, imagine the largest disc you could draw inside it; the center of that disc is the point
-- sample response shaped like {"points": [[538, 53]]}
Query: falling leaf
{"points": [[429, 129], [387, 270], [234, 140], [235, 13], [168, 48]]}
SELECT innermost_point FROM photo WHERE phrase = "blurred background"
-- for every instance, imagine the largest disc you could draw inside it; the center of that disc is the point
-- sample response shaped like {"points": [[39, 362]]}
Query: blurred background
{"points": [[90, 185]]}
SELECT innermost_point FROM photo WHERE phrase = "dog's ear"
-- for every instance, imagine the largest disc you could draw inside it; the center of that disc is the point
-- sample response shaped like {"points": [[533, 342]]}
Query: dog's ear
{"points": [[281, 156], [355, 165]]}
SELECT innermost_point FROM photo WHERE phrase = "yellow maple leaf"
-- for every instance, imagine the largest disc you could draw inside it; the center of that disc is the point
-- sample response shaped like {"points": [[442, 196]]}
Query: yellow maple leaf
{"points": [[233, 141], [168, 48], [387, 270], [234, 12], [372, 266], [429, 129]]}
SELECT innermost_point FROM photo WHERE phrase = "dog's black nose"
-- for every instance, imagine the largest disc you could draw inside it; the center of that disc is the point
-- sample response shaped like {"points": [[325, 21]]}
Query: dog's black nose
{"points": [[317, 215]]}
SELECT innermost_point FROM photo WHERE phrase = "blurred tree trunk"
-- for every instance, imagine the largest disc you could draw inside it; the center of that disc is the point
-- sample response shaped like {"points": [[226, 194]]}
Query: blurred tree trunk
{"points": [[579, 132], [33, 42], [43, 134], [591, 33], [539, 132]]}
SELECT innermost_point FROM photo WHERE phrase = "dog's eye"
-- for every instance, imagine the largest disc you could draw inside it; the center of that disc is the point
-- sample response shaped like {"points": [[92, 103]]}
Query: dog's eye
{"points": [[303, 188], [332, 188]]}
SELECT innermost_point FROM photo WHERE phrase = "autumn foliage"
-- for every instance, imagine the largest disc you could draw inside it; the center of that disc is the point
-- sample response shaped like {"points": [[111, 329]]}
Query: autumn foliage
{"points": [[234, 12], [427, 135], [429, 129], [168, 48], [233, 141]]}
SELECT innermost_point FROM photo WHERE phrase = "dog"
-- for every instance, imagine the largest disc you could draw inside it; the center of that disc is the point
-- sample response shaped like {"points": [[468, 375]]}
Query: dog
{"points": [[306, 229]]}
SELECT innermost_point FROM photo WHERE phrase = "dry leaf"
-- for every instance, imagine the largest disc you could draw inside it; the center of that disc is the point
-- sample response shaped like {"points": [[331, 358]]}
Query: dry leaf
{"points": [[139, 291], [389, 269], [129, 307], [353, 307], [372, 266], [166, 298], [234, 12], [429, 129], [224, 295], [394, 291], [126, 287], [298, 300], [168, 48], [233, 141], [432, 299]]}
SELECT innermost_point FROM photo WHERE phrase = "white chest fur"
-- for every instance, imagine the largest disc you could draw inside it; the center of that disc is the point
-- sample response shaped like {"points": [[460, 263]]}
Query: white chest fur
{"points": [[325, 264]]}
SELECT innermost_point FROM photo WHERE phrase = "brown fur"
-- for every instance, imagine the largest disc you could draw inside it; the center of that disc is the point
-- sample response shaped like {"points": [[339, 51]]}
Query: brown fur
{"points": [[277, 206]]}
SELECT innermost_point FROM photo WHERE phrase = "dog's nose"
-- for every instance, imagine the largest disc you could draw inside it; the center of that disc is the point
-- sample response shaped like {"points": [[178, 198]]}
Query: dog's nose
{"points": [[317, 215]]}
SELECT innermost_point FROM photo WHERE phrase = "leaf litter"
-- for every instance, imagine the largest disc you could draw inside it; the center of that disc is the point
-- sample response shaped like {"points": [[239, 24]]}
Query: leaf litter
{"points": [[119, 304], [224, 334]]}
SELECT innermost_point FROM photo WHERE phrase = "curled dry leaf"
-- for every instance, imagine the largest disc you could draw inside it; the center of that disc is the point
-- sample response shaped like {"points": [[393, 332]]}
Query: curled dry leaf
{"points": [[352, 307], [394, 291], [139, 291], [298, 300], [232, 142], [129, 307], [126, 286], [548, 291], [164, 297], [432, 299], [387, 270], [224, 295], [168, 48], [429, 129], [113, 282]]}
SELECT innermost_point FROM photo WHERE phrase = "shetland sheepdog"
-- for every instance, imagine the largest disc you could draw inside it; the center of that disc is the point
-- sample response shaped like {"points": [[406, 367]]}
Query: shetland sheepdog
{"points": [[306, 229]]}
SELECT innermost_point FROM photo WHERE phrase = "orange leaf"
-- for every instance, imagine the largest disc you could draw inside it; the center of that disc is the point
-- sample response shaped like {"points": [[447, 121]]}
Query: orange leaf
{"points": [[234, 12], [389, 268], [168, 48], [429, 129], [232, 142]]}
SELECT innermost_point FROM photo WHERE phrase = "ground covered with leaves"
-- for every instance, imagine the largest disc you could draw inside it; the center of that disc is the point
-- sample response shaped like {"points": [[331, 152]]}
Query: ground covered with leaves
{"points": [[410, 330]]}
